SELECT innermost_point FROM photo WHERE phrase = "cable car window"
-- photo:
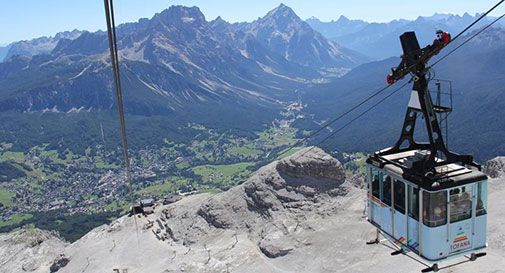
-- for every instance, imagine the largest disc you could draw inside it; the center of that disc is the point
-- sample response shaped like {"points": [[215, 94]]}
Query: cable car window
{"points": [[386, 190], [413, 202], [461, 204], [375, 183], [481, 198], [435, 208], [399, 199]]}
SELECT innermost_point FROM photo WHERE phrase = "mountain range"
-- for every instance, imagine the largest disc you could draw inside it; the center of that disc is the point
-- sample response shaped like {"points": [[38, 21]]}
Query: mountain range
{"points": [[178, 68], [174, 63], [379, 40]]}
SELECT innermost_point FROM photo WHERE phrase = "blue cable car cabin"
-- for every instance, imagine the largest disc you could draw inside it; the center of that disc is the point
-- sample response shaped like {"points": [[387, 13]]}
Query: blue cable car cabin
{"points": [[422, 196], [453, 208]]}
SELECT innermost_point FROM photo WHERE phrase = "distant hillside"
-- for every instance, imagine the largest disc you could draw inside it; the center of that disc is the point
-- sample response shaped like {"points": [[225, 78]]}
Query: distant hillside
{"points": [[42, 45], [477, 72]]}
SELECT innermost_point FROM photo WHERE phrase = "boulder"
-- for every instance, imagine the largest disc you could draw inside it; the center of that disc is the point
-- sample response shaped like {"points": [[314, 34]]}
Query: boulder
{"points": [[495, 167]]}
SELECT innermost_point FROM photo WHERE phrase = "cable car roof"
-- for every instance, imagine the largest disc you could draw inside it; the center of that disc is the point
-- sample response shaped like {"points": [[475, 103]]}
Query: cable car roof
{"points": [[447, 176]]}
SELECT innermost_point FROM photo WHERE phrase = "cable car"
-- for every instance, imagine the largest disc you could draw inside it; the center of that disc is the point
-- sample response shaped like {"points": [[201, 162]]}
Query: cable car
{"points": [[421, 196]]}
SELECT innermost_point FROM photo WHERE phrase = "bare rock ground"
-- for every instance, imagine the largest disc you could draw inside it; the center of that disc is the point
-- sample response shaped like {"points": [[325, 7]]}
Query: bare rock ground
{"points": [[30, 250], [294, 215]]}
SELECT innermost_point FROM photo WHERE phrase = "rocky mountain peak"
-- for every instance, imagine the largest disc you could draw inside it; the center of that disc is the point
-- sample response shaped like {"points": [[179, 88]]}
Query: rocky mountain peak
{"points": [[68, 34], [219, 23], [282, 11], [282, 17], [467, 15], [343, 19], [292, 38], [181, 15]]}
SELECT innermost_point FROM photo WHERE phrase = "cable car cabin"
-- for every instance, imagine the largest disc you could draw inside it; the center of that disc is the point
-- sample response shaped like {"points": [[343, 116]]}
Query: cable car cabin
{"points": [[433, 218], [422, 196]]}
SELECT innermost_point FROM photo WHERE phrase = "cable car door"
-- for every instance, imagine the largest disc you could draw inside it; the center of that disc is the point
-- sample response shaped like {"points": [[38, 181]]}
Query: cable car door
{"points": [[400, 218], [387, 211], [413, 217], [374, 197]]}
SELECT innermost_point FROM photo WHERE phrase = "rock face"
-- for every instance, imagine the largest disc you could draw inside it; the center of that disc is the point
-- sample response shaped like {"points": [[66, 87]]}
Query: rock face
{"points": [[289, 186], [268, 207], [30, 250], [495, 167]]}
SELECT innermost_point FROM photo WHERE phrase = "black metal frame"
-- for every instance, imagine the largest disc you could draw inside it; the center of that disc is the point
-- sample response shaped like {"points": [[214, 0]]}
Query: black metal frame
{"points": [[414, 62]]}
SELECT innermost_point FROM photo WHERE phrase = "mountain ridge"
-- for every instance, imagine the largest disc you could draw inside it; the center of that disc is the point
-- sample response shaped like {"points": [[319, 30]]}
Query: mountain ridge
{"points": [[379, 40], [174, 43]]}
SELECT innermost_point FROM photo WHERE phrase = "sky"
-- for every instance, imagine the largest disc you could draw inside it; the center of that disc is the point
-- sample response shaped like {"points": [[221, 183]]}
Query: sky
{"points": [[27, 19]]}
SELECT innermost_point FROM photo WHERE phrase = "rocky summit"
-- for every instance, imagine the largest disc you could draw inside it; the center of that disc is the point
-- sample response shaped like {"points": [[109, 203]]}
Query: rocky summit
{"points": [[298, 214]]}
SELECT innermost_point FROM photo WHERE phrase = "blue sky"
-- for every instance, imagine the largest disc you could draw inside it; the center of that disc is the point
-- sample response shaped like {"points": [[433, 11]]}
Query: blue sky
{"points": [[26, 19]]}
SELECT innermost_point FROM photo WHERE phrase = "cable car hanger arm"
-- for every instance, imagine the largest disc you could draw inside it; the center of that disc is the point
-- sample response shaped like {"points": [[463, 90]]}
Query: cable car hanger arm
{"points": [[413, 62]]}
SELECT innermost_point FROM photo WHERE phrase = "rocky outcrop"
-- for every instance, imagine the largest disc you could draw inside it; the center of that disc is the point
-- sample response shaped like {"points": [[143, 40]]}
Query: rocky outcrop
{"points": [[495, 167], [269, 206], [314, 163], [59, 263], [295, 182], [31, 250], [273, 249]]}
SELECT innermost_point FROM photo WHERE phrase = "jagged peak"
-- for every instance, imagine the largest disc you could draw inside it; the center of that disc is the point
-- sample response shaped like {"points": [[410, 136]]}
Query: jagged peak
{"points": [[313, 18], [219, 23], [179, 13], [342, 18], [282, 11], [467, 15], [219, 20]]}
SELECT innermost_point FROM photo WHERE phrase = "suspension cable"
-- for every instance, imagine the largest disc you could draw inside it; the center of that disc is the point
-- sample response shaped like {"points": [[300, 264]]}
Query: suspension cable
{"points": [[467, 40], [111, 31], [327, 124], [354, 119], [476, 21]]}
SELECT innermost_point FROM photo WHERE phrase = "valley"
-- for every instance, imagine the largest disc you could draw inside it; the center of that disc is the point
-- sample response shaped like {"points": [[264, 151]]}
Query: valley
{"points": [[45, 180]]}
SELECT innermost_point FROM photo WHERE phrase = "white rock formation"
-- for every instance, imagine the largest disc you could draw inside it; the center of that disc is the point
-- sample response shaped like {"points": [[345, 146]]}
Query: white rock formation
{"points": [[495, 167]]}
